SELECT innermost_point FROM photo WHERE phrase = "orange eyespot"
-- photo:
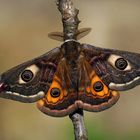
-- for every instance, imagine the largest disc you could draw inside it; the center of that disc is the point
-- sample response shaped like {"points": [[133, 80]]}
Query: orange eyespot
{"points": [[97, 87], [55, 92]]}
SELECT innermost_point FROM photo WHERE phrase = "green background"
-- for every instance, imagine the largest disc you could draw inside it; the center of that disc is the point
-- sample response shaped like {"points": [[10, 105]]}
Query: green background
{"points": [[24, 25]]}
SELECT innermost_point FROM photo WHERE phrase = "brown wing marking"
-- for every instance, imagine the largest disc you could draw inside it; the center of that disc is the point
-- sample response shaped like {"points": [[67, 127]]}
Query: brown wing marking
{"points": [[88, 98], [64, 104]]}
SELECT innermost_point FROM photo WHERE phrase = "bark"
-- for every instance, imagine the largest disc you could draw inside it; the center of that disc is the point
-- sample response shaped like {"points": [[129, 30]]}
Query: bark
{"points": [[79, 125], [69, 18]]}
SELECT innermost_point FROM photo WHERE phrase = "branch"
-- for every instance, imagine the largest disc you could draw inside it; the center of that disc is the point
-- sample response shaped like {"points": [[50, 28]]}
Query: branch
{"points": [[69, 18], [79, 126], [70, 28]]}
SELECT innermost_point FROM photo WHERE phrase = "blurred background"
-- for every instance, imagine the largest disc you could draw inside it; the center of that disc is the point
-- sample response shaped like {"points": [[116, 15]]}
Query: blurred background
{"points": [[24, 25]]}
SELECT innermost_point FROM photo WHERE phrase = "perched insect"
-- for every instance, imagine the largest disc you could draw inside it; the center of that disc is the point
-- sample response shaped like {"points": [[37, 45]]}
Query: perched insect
{"points": [[72, 76]]}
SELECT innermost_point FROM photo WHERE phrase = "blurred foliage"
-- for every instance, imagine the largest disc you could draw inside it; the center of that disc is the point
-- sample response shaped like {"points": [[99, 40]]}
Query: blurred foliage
{"points": [[24, 25]]}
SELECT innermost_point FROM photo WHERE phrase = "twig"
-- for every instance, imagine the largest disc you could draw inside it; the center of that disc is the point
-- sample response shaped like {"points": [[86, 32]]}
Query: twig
{"points": [[69, 18], [79, 126], [70, 27]]}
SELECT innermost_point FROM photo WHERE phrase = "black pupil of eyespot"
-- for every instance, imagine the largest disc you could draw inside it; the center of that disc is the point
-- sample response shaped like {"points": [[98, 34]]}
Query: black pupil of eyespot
{"points": [[27, 75], [98, 86], [55, 92], [121, 63]]}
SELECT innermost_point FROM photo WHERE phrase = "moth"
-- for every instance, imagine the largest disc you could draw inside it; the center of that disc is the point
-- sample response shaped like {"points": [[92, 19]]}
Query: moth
{"points": [[72, 76]]}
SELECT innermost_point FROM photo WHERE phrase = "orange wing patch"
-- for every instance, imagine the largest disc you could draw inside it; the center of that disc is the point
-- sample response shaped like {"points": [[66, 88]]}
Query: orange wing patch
{"points": [[103, 92], [50, 98]]}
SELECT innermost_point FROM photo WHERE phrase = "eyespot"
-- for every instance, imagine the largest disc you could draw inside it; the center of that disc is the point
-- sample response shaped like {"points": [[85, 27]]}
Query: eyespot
{"points": [[27, 75], [55, 92], [119, 62], [98, 86]]}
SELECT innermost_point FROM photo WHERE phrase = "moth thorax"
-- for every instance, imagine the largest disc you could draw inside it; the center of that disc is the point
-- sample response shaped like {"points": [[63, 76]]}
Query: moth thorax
{"points": [[71, 49]]}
